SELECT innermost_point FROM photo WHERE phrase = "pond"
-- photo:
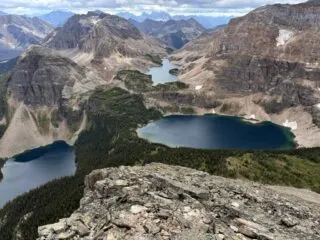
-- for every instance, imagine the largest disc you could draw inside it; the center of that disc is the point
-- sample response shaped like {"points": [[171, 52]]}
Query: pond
{"points": [[217, 132], [161, 74], [35, 168]]}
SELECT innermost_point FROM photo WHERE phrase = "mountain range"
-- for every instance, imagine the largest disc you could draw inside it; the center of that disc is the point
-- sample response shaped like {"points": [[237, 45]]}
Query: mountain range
{"points": [[84, 83], [175, 34], [264, 64], [56, 18], [59, 17], [208, 22], [18, 32], [50, 79]]}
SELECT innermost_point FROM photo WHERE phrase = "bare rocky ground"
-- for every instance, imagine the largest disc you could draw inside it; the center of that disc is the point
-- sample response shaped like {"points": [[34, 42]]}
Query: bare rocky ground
{"points": [[158, 201]]}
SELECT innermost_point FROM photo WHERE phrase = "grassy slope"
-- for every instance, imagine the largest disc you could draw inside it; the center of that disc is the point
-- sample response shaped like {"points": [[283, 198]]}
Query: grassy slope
{"points": [[111, 140]]}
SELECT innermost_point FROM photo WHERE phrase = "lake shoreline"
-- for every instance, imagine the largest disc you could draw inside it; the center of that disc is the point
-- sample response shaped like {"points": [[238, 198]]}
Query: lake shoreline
{"points": [[34, 168], [161, 74], [210, 131]]}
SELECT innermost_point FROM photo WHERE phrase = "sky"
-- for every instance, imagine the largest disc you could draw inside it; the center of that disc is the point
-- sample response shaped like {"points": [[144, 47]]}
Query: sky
{"points": [[174, 7]]}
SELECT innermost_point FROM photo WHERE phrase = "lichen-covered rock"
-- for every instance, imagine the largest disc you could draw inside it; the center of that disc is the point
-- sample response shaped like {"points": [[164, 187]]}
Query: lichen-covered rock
{"points": [[170, 202]]}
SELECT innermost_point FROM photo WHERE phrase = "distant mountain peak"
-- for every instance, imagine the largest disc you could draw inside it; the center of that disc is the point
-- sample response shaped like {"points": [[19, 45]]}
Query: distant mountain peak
{"points": [[206, 21], [174, 33], [56, 18], [100, 34], [314, 2], [18, 32]]}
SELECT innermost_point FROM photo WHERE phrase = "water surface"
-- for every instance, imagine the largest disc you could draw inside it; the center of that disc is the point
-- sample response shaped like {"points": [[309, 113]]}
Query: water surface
{"points": [[217, 132], [35, 168], [161, 74]]}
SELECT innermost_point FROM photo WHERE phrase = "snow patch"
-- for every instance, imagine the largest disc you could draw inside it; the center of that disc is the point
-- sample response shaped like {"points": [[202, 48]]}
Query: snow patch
{"points": [[94, 21], [198, 87], [284, 37], [213, 111], [252, 116], [292, 125]]}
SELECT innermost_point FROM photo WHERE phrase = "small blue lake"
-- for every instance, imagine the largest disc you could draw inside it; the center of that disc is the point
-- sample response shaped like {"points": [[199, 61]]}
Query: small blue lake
{"points": [[217, 132], [161, 74], [35, 168]]}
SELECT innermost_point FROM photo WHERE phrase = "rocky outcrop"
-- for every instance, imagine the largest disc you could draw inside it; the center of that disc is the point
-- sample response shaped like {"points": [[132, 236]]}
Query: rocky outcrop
{"points": [[174, 33], [170, 202]]}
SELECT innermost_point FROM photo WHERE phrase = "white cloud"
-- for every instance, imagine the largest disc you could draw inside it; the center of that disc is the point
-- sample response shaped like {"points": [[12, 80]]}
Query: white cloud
{"points": [[207, 7]]}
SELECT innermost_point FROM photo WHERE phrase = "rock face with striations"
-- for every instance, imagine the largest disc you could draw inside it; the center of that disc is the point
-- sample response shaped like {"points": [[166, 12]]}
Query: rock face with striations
{"points": [[40, 93], [41, 77], [170, 202]]}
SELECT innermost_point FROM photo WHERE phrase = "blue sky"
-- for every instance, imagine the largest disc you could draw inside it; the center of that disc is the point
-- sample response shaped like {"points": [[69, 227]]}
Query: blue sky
{"points": [[205, 7]]}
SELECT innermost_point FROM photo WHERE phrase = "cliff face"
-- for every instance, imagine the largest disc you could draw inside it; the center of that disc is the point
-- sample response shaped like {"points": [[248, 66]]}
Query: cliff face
{"points": [[167, 202], [41, 76], [41, 94]]}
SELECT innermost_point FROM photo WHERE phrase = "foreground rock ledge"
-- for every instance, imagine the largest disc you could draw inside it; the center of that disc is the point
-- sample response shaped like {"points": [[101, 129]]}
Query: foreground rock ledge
{"points": [[170, 202]]}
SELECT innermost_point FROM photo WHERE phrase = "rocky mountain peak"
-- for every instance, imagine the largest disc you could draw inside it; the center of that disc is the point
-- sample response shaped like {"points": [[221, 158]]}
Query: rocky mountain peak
{"points": [[313, 2], [40, 77], [170, 202], [97, 33]]}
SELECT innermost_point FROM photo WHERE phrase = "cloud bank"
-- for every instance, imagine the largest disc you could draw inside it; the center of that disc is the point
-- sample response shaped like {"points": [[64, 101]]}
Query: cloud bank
{"points": [[206, 7]]}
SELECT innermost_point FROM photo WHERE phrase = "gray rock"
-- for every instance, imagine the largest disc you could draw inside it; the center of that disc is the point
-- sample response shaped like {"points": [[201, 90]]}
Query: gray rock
{"points": [[171, 202], [289, 221]]}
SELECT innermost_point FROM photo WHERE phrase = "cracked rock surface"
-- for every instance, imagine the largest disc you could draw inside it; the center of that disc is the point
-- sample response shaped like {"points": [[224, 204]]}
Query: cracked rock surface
{"points": [[158, 201]]}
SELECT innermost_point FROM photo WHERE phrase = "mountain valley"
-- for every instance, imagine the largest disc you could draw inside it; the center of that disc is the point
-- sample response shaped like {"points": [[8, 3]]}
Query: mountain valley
{"points": [[175, 34], [88, 82]]}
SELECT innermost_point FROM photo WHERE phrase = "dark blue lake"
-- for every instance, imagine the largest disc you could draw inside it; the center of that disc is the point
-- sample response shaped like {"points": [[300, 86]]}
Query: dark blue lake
{"points": [[35, 168], [217, 132]]}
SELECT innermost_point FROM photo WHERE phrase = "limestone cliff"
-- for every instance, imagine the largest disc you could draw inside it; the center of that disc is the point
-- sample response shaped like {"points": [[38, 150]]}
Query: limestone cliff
{"points": [[169, 202]]}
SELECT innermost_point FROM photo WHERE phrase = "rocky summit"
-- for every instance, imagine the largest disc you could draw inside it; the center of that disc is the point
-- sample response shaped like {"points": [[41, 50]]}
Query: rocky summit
{"points": [[169, 202]]}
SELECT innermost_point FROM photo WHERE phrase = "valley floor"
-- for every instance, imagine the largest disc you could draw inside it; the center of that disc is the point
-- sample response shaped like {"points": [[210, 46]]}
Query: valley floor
{"points": [[111, 140]]}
